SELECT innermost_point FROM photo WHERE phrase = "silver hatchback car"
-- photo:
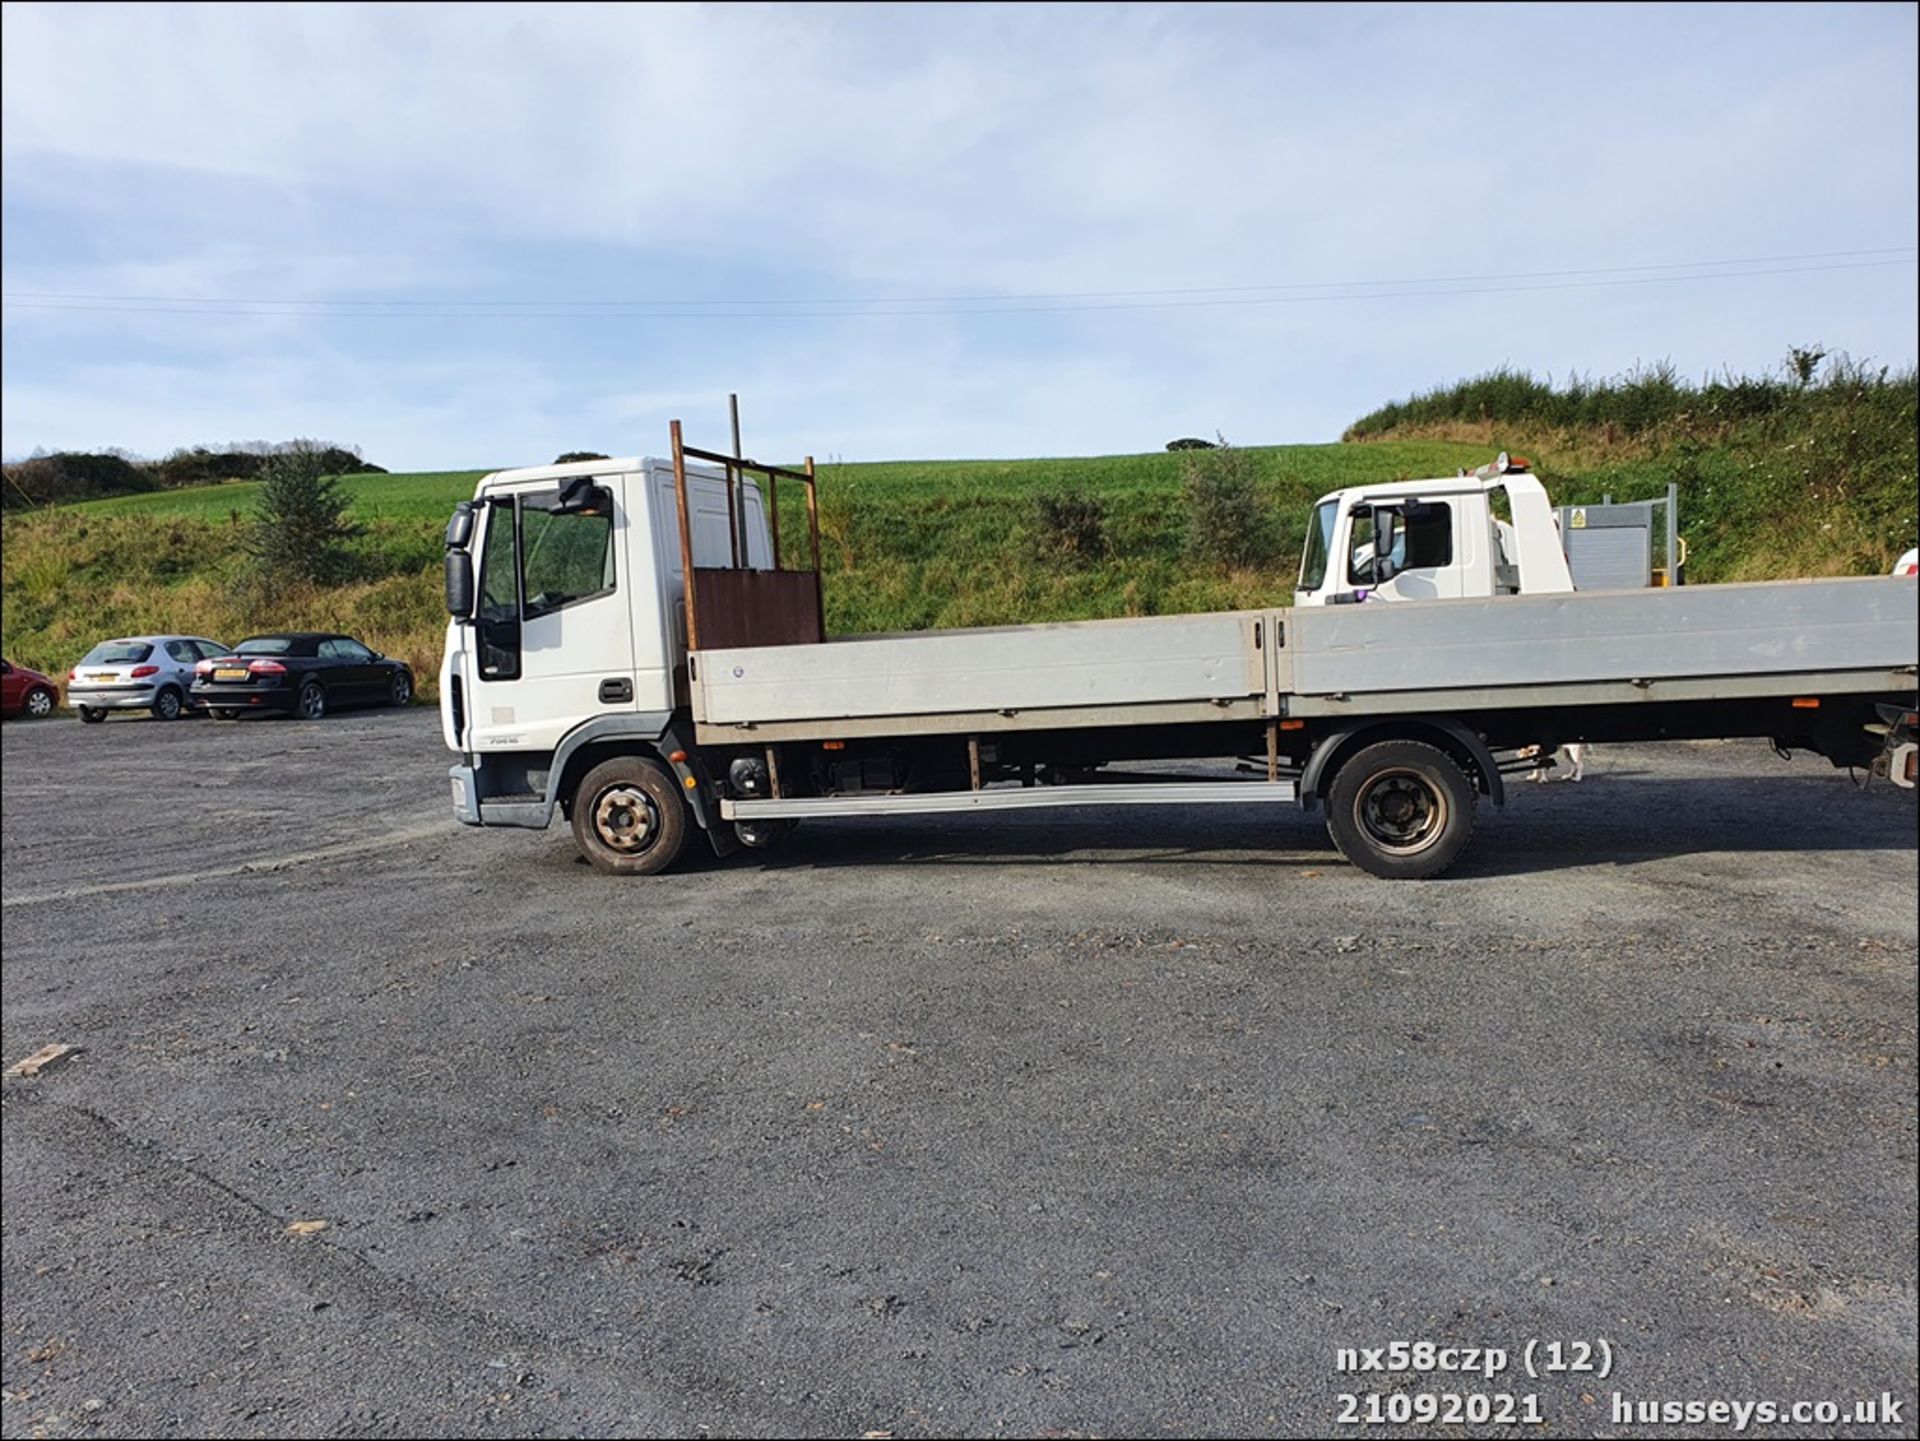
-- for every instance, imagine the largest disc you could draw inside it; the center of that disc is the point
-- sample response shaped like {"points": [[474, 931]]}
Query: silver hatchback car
{"points": [[142, 672]]}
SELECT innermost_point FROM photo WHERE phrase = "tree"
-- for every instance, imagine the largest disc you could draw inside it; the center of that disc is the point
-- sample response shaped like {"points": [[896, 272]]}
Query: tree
{"points": [[1229, 522], [572, 455], [301, 523]]}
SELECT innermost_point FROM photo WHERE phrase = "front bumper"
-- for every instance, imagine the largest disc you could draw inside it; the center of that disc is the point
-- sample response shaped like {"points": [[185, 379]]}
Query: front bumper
{"points": [[466, 795], [527, 812], [243, 697], [111, 697]]}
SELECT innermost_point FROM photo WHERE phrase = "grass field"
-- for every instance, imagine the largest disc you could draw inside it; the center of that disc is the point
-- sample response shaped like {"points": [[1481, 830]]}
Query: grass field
{"points": [[1816, 481], [428, 495]]}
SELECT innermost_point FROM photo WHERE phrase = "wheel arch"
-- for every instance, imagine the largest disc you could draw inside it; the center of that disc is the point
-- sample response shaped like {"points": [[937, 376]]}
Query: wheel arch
{"points": [[1447, 733]]}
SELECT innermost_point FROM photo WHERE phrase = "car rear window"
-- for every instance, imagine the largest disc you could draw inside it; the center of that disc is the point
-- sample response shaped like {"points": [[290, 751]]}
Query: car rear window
{"points": [[117, 652], [267, 645]]}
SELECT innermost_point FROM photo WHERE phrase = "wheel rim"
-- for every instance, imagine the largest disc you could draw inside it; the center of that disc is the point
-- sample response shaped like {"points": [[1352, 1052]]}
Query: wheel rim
{"points": [[39, 704], [626, 819], [402, 689], [313, 705], [1401, 811], [168, 705]]}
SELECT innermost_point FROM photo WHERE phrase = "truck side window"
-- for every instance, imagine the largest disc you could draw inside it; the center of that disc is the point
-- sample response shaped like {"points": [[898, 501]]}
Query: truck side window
{"points": [[565, 558], [1427, 536], [498, 617]]}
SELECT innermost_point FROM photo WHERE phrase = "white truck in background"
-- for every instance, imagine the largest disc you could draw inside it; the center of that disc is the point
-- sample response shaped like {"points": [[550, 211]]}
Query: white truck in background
{"points": [[631, 647]]}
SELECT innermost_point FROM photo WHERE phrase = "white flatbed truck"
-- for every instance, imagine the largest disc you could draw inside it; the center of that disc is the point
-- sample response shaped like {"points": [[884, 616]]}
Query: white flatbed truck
{"points": [[1431, 638]]}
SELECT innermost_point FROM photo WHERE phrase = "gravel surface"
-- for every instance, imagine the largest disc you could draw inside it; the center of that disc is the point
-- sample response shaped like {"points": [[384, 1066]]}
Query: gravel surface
{"points": [[1109, 1125]]}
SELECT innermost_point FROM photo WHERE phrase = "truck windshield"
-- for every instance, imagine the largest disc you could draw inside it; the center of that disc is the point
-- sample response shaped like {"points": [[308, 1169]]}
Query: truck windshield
{"points": [[1313, 565]]}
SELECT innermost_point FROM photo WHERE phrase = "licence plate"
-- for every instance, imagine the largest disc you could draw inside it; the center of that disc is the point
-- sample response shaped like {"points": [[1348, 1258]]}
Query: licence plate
{"points": [[103, 675], [231, 673]]}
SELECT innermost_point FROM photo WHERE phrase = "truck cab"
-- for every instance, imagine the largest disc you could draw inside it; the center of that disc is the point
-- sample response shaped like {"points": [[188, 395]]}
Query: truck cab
{"points": [[566, 594], [1434, 540]]}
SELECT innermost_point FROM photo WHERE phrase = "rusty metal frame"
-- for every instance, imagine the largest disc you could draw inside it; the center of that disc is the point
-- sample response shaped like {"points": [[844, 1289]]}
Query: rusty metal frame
{"points": [[738, 467]]}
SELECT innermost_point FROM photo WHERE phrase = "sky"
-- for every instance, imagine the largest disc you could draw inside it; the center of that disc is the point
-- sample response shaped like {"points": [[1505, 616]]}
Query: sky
{"points": [[462, 236]]}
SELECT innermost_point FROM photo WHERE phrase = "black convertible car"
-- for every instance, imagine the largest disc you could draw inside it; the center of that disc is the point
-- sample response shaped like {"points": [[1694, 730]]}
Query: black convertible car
{"points": [[302, 673]]}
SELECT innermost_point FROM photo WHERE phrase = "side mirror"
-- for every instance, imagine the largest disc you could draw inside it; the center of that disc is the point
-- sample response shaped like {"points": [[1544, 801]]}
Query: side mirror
{"points": [[459, 584], [1386, 539], [460, 527]]}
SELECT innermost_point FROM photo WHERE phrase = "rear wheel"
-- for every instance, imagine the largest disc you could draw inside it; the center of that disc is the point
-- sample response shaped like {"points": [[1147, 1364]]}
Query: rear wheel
{"points": [[92, 714], [39, 703], [1401, 810], [629, 818], [224, 712], [166, 705], [312, 703]]}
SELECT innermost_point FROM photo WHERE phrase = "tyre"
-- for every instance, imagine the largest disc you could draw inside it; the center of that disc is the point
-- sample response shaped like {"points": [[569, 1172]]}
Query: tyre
{"points": [[92, 714], [1401, 810], [400, 689], [224, 712], [629, 818], [312, 702], [166, 705], [38, 704]]}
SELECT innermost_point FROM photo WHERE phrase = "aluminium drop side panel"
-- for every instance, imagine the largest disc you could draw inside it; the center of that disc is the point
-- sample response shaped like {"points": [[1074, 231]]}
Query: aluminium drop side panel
{"points": [[1204, 658], [1776, 628]]}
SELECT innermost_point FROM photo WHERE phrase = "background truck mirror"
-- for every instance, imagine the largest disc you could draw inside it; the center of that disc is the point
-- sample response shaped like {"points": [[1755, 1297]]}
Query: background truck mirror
{"points": [[583, 497], [459, 584]]}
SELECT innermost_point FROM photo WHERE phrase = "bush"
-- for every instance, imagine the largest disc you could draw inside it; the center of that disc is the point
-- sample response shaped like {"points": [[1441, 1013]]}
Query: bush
{"points": [[1190, 442], [300, 523], [1070, 527], [1229, 523], [573, 455]]}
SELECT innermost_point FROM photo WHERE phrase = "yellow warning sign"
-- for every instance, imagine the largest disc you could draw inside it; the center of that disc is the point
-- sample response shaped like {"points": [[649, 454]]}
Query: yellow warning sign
{"points": [[1579, 517]]}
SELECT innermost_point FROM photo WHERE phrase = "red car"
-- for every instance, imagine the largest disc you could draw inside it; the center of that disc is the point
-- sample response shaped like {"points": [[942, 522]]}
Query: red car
{"points": [[26, 692]]}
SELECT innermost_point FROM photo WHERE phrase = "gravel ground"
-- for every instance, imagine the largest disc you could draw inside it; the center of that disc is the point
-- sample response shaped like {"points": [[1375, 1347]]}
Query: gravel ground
{"points": [[1112, 1125]]}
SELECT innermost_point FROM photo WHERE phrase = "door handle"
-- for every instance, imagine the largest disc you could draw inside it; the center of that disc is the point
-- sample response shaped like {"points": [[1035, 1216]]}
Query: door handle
{"points": [[616, 690]]}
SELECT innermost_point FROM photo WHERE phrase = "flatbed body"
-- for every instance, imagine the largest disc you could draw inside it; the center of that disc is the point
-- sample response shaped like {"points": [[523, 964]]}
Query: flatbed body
{"points": [[1698, 643]]}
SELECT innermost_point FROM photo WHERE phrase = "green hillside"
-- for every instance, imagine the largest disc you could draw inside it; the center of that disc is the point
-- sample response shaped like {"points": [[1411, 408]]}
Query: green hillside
{"points": [[1777, 478]]}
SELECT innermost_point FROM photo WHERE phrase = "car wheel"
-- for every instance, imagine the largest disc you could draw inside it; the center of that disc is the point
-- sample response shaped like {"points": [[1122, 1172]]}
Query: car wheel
{"points": [[313, 701], [629, 818], [92, 714], [166, 705], [401, 690], [39, 703], [223, 712]]}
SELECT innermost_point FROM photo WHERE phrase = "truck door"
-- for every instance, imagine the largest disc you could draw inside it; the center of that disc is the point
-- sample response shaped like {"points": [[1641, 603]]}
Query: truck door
{"points": [[553, 637], [1404, 550]]}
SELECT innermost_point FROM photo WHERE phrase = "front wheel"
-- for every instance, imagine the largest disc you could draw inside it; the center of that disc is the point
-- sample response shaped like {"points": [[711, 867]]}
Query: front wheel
{"points": [[628, 817], [39, 703], [91, 714], [400, 689], [1401, 810]]}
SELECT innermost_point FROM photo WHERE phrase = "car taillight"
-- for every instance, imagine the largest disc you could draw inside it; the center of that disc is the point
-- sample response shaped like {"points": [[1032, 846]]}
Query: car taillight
{"points": [[266, 667], [74, 674], [205, 667], [145, 670]]}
